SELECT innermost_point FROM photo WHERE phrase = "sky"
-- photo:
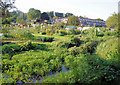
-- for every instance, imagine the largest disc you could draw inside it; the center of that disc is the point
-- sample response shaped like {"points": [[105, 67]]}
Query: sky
{"points": [[90, 8]]}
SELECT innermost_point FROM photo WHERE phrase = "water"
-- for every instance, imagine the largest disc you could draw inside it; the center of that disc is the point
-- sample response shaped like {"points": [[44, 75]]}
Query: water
{"points": [[50, 74], [40, 79]]}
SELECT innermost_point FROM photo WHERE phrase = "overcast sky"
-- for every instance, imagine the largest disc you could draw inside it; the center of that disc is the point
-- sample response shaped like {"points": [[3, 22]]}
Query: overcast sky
{"points": [[89, 8]]}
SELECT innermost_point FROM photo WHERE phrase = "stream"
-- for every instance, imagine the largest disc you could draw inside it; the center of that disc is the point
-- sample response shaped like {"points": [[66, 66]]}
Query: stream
{"points": [[40, 79]]}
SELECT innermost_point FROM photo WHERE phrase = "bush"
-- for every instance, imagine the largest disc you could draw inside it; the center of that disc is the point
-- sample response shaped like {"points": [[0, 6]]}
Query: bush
{"points": [[21, 34], [109, 51], [75, 31], [43, 33], [89, 47], [8, 35], [76, 41], [32, 46], [68, 44], [61, 34], [74, 50], [10, 49], [44, 39], [100, 34], [64, 44]]}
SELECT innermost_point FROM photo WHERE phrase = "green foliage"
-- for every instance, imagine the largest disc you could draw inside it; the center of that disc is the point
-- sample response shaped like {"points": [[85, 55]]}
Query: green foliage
{"points": [[76, 41], [62, 32], [89, 47], [74, 50], [32, 46], [4, 7], [72, 20], [100, 34], [67, 44], [94, 61], [21, 19], [85, 70], [55, 17], [44, 39], [21, 34], [43, 33], [5, 28], [10, 49], [64, 44], [44, 16], [7, 35], [109, 50], [37, 29], [30, 64], [112, 21], [68, 14], [51, 15], [113, 33], [33, 14]]}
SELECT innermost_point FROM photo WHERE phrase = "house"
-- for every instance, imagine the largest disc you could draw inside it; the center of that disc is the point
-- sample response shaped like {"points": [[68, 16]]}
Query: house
{"points": [[91, 22], [70, 27]]}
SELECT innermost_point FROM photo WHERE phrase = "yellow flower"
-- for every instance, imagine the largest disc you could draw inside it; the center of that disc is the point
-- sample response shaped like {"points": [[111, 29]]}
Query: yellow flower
{"points": [[78, 79]]}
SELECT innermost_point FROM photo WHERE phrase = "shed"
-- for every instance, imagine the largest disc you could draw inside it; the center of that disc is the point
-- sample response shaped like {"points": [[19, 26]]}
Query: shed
{"points": [[70, 27]]}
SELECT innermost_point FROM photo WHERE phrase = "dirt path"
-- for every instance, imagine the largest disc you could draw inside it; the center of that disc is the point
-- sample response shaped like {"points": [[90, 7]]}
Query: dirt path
{"points": [[20, 41]]}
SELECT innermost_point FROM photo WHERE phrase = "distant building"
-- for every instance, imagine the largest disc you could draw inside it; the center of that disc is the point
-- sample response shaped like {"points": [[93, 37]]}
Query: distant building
{"points": [[91, 22]]}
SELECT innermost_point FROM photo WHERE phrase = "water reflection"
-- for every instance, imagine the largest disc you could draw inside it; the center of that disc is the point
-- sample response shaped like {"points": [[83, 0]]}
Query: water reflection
{"points": [[40, 79]]}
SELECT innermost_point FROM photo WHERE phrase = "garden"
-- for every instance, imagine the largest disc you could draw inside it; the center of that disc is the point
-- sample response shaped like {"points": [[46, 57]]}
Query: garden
{"points": [[59, 56]]}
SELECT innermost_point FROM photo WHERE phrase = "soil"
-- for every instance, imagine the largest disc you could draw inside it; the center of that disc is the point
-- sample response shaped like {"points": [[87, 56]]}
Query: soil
{"points": [[22, 41]]}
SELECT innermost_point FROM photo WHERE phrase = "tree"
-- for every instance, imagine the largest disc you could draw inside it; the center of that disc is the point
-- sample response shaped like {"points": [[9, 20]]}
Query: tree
{"points": [[44, 16], [99, 19], [55, 17], [72, 20], [112, 21], [58, 14], [68, 14], [21, 19], [51, 14], [33, 14], [5, 6]]}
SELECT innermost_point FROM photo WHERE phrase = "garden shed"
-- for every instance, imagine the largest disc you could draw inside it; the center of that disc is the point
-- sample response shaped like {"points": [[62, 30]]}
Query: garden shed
{"points": [[70, 27]]}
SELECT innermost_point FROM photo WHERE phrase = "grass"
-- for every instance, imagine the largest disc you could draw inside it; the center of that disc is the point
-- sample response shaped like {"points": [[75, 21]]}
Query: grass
{"points": [[56, 37]]}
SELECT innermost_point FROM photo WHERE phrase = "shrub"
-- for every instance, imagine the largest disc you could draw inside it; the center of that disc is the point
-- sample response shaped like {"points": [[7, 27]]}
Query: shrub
{"points": [[89, 47], [5, 28], [75, 31], [43, 33], [68, 44], [10, 49], [109, 51], [100, 34], [32, 46], [21, 34], [74, 50], [64, 44], [8, 35], [44, 39], [76, 41], [63, 32]]}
